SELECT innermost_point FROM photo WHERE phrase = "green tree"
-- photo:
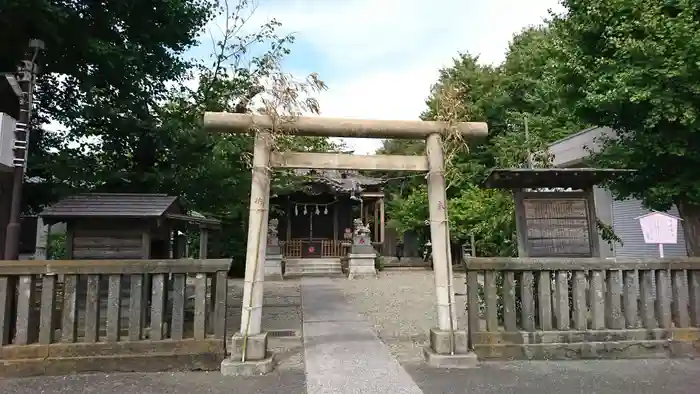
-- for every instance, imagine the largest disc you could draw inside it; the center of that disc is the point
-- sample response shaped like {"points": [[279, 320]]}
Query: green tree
{"points": [[115, 77], [212, 171], [524, 87], [105, 66], [634, 65]]}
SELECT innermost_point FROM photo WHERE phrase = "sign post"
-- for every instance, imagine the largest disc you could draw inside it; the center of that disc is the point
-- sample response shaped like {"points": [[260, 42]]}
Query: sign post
{"points": [[659, 228]]}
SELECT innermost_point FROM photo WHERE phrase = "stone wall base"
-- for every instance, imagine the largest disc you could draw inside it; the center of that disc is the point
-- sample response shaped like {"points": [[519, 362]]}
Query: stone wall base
{"points": [[361, 265], [273, 268], [138, 356], [591, 344]]}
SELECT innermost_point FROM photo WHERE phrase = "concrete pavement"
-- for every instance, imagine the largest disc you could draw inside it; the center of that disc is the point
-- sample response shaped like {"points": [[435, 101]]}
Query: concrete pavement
{"points": [[564, 377], [287, 382], [343, 354], [571, 377]]}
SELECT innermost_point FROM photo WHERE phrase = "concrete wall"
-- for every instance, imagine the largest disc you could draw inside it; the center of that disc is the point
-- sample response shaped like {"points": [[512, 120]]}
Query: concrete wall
{"points": [[604, 210], [411, 244], [7, 138], [5, 202]]}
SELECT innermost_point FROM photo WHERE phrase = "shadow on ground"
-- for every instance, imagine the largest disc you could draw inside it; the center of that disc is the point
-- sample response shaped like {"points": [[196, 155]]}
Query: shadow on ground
{"points": [[287, 382], [563, 377]]}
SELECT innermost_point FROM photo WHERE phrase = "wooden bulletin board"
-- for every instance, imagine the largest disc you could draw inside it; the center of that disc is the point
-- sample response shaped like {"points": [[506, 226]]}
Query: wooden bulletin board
{"points": [[556, 224]]}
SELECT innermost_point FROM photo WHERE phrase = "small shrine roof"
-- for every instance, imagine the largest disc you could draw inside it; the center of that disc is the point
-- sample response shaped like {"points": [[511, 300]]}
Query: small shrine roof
{"points": [[124, 206], [534, 178]]}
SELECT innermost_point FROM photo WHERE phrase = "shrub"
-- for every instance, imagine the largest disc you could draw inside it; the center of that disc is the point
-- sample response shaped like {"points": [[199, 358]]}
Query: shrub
{"points": [[378, 263]]}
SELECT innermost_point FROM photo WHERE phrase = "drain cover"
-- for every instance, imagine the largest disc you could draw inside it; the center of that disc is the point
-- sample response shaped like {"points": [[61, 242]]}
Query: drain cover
{"points": [[282, 333]]}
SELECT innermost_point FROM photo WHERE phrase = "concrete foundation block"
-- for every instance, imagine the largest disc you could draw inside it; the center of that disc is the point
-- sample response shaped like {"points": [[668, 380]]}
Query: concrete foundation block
{"points": [[236, 367], [453, 361], [361, 265], [449, 349], [255, 347], [441, 341], [273, 267]]}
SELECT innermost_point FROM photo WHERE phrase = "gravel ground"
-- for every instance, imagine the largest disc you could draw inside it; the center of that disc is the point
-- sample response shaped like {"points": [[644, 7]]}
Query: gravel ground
{"points": [[401, 306]]}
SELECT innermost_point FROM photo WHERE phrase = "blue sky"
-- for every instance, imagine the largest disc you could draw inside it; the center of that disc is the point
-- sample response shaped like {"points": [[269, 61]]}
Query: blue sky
{"points": [[380, 57]]}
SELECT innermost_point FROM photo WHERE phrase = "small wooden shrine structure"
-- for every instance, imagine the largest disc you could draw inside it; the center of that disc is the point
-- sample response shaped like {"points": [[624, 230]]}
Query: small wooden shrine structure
{"points": [[126, 226], [555, 212], [317, 219]]}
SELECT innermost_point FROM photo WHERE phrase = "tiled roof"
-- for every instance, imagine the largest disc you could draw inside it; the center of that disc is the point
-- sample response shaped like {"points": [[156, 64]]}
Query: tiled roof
{"points": [[111, 205], [340, 180]]}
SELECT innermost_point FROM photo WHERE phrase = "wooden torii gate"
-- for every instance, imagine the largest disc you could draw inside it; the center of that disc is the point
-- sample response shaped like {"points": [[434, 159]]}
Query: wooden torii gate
{"points": [[249, 353]]}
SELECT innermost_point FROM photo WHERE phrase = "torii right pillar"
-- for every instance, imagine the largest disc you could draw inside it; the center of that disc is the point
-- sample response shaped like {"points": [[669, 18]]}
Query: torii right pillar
{"points": [[449, 346]]}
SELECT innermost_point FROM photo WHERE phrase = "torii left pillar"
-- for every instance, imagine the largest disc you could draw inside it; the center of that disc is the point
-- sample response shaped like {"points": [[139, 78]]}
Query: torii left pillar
{"points": [[249, 354]]}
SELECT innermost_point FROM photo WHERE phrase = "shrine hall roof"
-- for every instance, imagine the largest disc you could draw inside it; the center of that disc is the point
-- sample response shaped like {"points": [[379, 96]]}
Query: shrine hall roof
{"points": [[534, 178], [344, 181]]}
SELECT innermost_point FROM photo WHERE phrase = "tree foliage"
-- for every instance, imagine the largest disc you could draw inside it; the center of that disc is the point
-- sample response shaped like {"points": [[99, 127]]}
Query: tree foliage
{"points": [[634, 66], [524, 89], [130, 104], [105, 68], [630, 65]]}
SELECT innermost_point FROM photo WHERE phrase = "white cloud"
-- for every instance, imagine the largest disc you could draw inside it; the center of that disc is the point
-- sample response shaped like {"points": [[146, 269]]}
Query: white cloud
{"points": [[398, 95], [384, 55]]}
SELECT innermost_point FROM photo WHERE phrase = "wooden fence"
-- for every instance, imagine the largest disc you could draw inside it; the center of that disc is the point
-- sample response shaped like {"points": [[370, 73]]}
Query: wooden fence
{"points": [[60, 317], [326, 248], [583, 308]]}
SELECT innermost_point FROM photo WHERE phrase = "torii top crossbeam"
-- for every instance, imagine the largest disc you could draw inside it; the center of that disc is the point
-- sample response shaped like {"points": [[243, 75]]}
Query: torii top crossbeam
{"points": [[317, 126]]}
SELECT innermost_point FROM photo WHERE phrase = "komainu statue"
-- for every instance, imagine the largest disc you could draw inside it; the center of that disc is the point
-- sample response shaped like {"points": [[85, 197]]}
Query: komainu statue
{"points": [[360, 228], [272, 228]]}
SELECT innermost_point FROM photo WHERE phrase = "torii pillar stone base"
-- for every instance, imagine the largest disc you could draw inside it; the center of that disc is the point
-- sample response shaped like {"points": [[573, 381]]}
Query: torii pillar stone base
{"points": [[258, 361]]}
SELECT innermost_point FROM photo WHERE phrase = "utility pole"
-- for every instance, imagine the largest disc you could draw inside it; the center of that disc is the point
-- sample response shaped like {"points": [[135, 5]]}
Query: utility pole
{"points": [[527, 142], [26, 72]]}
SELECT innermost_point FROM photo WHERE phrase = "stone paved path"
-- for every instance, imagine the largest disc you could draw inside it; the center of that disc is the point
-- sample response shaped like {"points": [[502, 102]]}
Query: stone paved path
{"points": [[345, 344], [343, 354]]}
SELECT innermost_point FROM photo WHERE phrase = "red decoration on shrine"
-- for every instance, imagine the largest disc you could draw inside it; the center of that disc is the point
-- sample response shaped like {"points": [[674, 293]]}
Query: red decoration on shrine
{"points": [[311, 249], [362, 241]]}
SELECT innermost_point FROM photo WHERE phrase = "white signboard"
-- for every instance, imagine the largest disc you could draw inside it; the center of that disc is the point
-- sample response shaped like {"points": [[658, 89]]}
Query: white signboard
{"points": [[659, 228]]}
